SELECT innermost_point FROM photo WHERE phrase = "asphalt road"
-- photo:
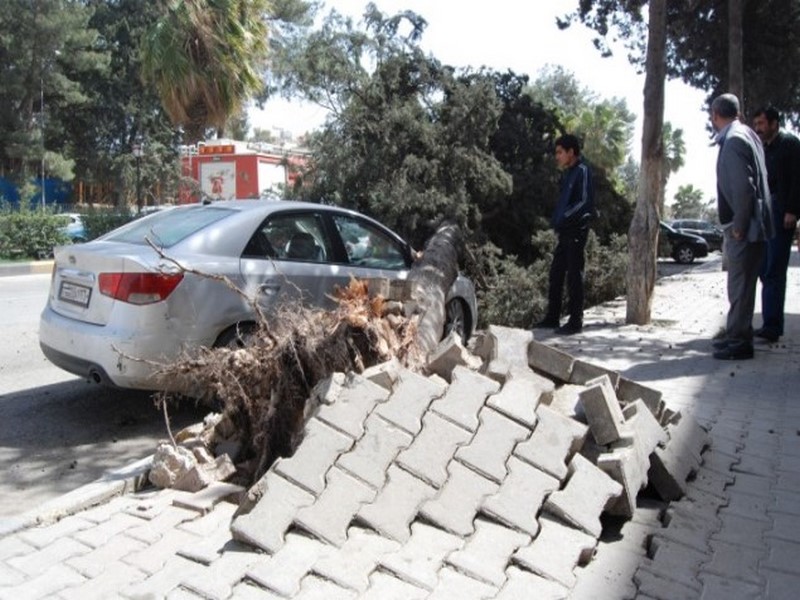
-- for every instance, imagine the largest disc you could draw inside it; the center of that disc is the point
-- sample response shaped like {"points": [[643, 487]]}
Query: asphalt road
{"points": [[57, 431]]}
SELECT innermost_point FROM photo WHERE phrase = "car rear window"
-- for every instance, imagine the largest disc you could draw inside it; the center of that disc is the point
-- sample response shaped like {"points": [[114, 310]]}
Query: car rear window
{"points": [[168, 227]]}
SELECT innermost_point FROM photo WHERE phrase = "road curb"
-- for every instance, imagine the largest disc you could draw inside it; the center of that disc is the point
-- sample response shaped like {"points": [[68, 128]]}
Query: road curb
{"points": [[117, 482], [36, 267]]}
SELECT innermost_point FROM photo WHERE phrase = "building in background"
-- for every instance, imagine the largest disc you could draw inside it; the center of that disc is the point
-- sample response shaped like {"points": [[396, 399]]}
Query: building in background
{"points": [[226, 169]]}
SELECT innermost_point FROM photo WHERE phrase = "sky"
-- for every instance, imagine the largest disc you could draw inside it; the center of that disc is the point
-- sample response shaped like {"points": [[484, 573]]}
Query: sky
{"points": [[524, 37]]}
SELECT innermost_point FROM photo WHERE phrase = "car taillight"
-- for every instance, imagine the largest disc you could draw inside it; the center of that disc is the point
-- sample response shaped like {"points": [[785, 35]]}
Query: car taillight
{"points": [[138, 288]]}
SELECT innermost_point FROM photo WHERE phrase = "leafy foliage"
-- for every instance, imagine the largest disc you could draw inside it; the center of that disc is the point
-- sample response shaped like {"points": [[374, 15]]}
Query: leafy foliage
{"points": [[27, 233], [697, 44]]}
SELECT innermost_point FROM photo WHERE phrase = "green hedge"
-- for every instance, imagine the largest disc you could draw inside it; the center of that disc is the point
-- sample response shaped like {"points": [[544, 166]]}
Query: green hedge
{"points": [[29, 233]]}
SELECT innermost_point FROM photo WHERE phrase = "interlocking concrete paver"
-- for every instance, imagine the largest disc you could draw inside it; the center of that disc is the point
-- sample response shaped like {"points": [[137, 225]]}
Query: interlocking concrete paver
{"points": [[93, 563], [455, 506], [522, 392], [785, 526], [410, 399], [249, 590], [265, 526], [322, 445], [151, 531], [602, 410], [584, 497], [46, 584], [384, 586], [358, 558], [396, 504], [284, 570], [419, 560], [164, 581], [654, 586], [10, 577], [354, 401], [521, 584], [429, 454], [373, 453], [689, 527], [520, 496], [741, 531], [317, 588], [57, 552], [716, 587], [553, 442], [105, 585], [675, 562], [465, 397], [206, 499], [152, 558], [611, 571], [583, 371], [786, 502], [565, 400], [99, 535], [550, 361], [487, 552], [556, 551], [493, 443], [217, 581], [734, 562], [780, 585], [41, 537], [782, 556], [329, 517], [745, 504], [14, 545], [453, 584]]}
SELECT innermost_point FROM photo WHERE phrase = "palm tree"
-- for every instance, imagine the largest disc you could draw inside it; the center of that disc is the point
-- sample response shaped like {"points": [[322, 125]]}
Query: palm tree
{"points": [[205, 58]]}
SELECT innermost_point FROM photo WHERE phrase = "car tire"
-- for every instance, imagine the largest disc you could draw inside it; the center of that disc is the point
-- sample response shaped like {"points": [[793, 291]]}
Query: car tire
{"points": [[684, 254], [456, 320], [235, 336]]}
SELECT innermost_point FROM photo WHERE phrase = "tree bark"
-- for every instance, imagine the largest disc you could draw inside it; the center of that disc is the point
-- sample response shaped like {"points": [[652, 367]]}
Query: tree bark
{"points": [[643, 231], [735, 51], [430, 278]]}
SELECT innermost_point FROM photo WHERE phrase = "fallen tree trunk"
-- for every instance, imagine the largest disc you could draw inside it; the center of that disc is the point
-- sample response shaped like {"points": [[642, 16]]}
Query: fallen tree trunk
{"points": [[430, 279]]}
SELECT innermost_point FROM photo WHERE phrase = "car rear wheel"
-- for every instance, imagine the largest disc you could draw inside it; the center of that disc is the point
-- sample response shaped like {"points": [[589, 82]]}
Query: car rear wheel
{"points": [[235, 336], [684, 254], [456, 320]]}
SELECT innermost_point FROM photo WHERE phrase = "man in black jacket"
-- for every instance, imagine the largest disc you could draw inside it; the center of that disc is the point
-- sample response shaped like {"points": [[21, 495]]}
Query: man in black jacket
{"points": [[782, 154], [573, 212]]}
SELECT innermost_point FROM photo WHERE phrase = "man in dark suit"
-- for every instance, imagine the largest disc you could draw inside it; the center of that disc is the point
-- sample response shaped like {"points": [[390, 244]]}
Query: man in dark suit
{"points": [[745, 214]]}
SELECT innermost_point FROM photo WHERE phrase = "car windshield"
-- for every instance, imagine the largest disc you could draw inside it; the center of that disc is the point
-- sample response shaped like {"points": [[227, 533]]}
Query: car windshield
{"points": [[168, 227]]}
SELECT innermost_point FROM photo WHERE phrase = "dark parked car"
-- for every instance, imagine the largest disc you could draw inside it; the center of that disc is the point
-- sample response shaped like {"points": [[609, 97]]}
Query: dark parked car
{"points": [[705, 229], [682, 247]]}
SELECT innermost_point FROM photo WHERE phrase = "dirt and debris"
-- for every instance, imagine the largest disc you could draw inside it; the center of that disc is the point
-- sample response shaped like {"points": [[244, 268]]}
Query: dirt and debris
{"points": [[262, 387]]}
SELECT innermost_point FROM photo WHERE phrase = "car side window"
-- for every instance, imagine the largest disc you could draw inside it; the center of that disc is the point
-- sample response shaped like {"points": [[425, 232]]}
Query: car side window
{"points": [[294, 236], [367, 246]]}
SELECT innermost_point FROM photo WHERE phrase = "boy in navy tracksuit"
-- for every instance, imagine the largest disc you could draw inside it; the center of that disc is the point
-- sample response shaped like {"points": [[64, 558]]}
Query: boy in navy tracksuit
{"points": [[570, 220]]}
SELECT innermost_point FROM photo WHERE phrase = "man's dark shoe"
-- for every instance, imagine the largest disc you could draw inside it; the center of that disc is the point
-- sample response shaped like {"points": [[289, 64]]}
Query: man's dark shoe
{"points": [[547, 323], [735, 352], [569, 328], [766, 335], [719, 344]]}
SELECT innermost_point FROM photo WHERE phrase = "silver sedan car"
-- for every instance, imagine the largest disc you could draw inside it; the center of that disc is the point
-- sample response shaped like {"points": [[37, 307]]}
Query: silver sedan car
{"points": [[117, 307]]}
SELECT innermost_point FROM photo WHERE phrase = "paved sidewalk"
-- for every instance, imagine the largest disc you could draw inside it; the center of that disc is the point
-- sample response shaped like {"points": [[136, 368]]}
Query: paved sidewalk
{"points": [[736, 535]]}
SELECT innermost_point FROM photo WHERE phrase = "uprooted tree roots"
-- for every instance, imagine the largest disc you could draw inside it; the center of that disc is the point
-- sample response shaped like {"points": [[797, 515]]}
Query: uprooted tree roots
{"points": [[263, 386]]}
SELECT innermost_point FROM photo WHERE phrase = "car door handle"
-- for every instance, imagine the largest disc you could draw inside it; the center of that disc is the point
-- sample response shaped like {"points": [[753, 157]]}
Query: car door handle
{"points": [[269, 288]]}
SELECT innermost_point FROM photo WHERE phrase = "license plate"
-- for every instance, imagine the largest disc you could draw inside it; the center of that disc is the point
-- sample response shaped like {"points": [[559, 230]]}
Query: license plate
{"points": [[74, 293]]}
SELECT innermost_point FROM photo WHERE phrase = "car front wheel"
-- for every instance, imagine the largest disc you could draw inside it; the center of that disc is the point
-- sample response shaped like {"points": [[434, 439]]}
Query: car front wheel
{"points": [[684, 254], [456, 320]]}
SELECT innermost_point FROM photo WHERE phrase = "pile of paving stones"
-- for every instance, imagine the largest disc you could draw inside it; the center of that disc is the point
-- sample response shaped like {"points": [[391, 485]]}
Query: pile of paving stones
{"points": [[486, 478]]}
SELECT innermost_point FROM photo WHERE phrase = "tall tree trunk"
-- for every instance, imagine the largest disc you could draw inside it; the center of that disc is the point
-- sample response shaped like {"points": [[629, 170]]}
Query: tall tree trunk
{"points": [[735, 51], [643, 232]]}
